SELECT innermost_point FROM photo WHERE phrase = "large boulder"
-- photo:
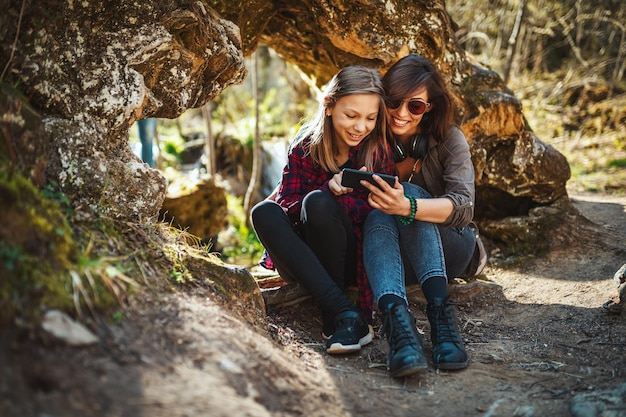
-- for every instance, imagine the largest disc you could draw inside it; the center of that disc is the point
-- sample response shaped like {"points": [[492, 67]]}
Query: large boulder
{"points": [[197, 207], [92, 68]]}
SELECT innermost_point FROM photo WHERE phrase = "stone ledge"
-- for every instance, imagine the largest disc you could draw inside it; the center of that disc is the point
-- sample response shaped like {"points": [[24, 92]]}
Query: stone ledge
{"points": [[277, 292]]}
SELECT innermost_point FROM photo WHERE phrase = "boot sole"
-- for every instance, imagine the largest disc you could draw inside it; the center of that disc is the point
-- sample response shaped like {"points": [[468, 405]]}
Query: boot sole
{"points": [[452, 366], [410, 371], [338, 348]]}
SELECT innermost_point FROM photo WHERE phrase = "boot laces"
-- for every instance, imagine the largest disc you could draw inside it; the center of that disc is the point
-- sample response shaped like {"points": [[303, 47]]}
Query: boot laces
{"points": [[443, 324], [397, 330]]}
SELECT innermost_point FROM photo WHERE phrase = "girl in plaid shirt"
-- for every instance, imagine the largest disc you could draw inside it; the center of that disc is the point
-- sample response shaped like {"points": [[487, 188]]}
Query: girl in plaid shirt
{"points": [[312, 228]]}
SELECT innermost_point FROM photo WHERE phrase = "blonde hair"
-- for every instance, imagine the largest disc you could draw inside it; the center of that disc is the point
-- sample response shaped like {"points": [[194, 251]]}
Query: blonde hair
{"points": [[355, 79]]}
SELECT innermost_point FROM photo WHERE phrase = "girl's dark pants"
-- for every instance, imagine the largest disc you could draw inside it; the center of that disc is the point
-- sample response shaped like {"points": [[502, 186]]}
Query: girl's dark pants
{"points": [[320, 256]]}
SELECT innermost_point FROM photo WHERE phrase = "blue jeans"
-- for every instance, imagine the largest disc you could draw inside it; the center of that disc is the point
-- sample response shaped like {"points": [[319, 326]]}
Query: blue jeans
{"points": [[396, 255], [146, 129]]}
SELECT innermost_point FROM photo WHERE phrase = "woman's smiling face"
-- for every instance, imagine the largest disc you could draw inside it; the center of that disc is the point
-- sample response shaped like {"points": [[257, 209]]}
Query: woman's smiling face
{"points": [[354, 117], [402, 122]]}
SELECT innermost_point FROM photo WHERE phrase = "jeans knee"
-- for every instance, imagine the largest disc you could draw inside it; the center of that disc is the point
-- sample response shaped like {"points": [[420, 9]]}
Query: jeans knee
{"points": [[415, 190], [379, 221]]}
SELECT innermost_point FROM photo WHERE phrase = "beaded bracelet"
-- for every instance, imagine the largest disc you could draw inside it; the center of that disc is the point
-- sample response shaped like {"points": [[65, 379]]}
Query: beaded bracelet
{"points": [[408, 220]]}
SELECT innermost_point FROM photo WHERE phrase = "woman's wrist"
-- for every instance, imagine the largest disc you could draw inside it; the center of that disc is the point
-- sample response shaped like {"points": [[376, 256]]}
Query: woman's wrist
{"points": [[406, 220], [406, 208]]}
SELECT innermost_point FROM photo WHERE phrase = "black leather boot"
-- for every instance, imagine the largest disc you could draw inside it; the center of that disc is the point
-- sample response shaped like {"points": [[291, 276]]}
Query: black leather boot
{"points": [[448, 349], [406, 345]]}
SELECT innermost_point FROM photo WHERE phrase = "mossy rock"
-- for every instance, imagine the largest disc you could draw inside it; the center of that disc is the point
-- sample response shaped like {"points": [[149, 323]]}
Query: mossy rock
{"points": [[36, 248]]}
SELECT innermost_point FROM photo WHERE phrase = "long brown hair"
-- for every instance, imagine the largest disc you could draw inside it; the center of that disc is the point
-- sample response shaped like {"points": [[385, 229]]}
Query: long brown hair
{"points": [[355, 79], [412, 73]]}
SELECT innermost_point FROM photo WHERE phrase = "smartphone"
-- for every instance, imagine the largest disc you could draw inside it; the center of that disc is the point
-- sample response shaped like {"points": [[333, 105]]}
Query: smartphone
{"points": [[352, 177]]}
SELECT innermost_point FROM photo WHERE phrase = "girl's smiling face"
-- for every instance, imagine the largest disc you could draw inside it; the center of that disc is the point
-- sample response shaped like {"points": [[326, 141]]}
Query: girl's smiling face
{"points": [[354, 117]]}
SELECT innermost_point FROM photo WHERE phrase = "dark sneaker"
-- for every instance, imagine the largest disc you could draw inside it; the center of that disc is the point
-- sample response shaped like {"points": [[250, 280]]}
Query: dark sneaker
{"points": [[351, 333], [328, 326]]}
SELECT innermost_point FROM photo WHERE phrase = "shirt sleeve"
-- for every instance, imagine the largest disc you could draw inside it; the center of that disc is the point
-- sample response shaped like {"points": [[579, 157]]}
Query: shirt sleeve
{"points": [[458, 178]]}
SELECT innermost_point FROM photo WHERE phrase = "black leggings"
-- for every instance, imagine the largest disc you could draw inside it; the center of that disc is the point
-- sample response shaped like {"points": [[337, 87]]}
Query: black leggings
{"points": [[322, 258]]}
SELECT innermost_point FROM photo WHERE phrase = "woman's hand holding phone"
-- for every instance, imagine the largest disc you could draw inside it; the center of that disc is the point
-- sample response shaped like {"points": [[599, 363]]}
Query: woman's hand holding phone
{"points": [[382, 195], [388, 199]]}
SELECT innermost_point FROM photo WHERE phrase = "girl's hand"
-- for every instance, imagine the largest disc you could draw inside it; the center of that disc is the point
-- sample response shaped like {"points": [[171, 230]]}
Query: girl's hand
{"points": [[390, 200], [335, 185]]}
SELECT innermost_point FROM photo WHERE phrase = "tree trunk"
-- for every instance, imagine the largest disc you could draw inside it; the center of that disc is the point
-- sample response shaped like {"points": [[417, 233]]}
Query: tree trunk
{"points": [[513, 39], [209, 146], [255, 176], [620, 62]]}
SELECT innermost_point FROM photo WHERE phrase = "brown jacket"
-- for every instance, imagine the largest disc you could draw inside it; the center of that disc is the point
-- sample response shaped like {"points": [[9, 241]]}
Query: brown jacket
{"points": [[448, 172]]}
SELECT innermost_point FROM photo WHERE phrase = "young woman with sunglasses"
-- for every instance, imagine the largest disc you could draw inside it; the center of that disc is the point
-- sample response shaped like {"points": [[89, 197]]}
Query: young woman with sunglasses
{"points": [[420, 229]]}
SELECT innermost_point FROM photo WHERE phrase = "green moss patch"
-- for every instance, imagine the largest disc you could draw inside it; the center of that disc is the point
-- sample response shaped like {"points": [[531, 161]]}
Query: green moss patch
{"points": [[36, 248]]}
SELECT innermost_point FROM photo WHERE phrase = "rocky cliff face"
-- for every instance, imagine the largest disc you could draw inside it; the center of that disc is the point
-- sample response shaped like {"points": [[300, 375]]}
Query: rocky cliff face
{"points": [[92, 68]]}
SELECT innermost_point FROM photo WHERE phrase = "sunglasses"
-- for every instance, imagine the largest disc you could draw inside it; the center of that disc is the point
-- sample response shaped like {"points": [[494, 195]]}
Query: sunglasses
{"points": [[416, 106]]}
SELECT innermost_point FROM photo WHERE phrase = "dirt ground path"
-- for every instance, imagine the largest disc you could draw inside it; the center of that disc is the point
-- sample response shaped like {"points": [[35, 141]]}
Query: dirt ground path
{"points": [[538, 337], [536, 340]]}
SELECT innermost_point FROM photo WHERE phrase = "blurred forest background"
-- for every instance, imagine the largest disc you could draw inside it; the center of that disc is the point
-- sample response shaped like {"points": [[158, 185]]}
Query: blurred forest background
{"points": [[564, 59]]}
